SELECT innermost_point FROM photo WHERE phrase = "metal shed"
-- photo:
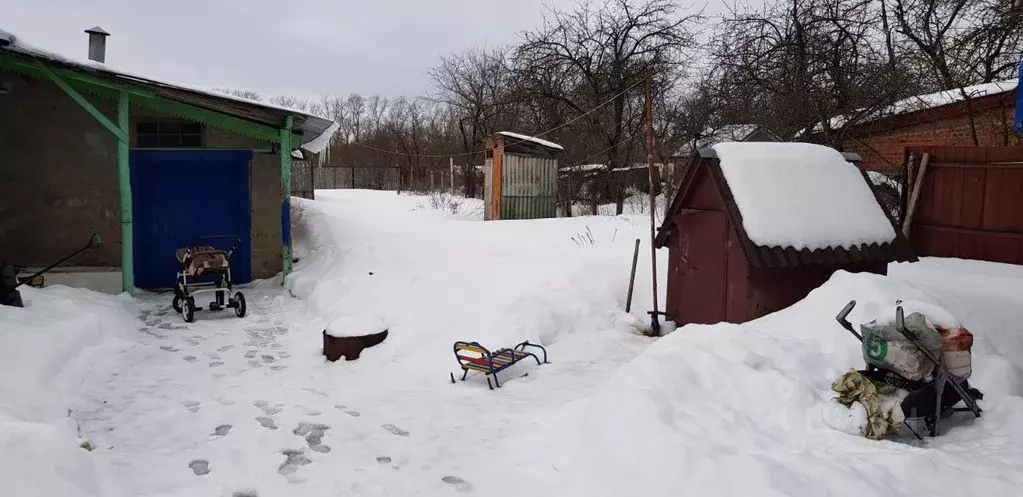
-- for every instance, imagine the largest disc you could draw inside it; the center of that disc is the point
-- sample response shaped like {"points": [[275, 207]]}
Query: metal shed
{"points": [[717, 274], [520, 177]]}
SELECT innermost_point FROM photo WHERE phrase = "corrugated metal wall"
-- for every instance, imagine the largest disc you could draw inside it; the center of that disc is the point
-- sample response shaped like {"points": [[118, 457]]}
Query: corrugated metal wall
{"points": [[488, 188], [529, 186]]}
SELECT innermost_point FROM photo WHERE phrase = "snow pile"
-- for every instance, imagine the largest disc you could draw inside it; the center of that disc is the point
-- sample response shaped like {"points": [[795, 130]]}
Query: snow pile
{"points": [[802, 195], [46, 349], [436, 280], [355, 326], [740, 410]]}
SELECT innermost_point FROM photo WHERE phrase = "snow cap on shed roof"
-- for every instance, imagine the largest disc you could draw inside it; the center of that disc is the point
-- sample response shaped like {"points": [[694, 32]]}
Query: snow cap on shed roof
{"points": [[802, 195], [532, 139]]}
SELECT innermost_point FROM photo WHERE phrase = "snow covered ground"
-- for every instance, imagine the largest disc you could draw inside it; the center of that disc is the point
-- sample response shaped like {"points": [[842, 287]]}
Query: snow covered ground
{"points": [[236, 407]]}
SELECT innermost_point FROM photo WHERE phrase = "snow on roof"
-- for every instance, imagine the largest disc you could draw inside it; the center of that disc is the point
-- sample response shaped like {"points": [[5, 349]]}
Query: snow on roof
{"points": [[314, 142], [928, 101], [543, 143], [801, 195]]}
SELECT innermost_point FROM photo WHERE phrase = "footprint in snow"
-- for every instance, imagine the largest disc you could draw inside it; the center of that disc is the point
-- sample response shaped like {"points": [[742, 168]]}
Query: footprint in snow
{"points": [[395, 430], [252, 353], [321, 393], [213, 356], [245, 492], [459, 484], [221, 430], [169, 348], [294, 459], [383, 459], [310, 412], [216, 364], [153, 323], [190, 358], [267, 408], [267, 423], [192, 342], [200, 467], [268, 358], [225, 348], [256, 364], [278, 367], [275, 345], [353, 414], [191, 405]]}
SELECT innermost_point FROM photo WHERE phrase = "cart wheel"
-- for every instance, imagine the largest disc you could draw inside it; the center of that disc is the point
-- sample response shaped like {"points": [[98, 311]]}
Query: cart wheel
{"points": [[176, 304], [189, 310], [239, 309]]}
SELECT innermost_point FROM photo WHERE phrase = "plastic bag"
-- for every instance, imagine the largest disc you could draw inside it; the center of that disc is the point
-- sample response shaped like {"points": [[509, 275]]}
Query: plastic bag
{"points": [[886, 348]]}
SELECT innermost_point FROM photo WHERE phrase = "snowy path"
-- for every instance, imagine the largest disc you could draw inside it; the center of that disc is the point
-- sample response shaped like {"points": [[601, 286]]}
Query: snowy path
{"points": [[228, 406]]}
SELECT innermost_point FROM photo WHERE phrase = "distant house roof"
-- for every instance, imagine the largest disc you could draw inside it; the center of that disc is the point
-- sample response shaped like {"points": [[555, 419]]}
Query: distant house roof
{"points": [[727, 133], [930, 101], [315, 131], [795, 204]]}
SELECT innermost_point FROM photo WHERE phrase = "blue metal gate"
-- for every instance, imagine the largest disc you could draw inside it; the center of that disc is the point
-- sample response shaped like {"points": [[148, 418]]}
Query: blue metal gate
{"points": [[181, 195]]}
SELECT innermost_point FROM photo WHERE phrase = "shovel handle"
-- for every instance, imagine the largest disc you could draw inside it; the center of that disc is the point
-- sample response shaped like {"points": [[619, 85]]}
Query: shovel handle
{"points": [[841, 318]]}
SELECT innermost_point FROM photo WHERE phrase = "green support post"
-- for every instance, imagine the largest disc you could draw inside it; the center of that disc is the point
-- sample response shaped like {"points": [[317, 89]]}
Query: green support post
{"points": [[124, 186], [285, 140]]}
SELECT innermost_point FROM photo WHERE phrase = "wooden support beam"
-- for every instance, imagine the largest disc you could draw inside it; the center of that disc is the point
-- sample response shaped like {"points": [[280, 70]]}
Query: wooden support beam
{"points": [[915, 196], [124, 188], [285, 149], [83, 102]]}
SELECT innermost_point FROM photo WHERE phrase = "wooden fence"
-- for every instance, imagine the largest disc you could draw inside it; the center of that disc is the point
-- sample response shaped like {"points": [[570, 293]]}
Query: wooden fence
{"points": [[970, 204], [363, 178], [302, 179]]}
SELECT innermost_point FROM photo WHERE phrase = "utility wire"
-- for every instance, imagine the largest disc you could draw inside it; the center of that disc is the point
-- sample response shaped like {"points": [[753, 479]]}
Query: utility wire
{"points": [[464, 154]]}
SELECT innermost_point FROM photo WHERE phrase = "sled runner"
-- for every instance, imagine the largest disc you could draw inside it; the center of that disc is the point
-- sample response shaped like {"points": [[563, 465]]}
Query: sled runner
{"points": [[933, 397], [206, 269], [474, 357]]}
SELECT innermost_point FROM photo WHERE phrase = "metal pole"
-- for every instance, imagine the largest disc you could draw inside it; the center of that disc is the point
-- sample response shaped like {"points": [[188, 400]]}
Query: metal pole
{"points": [[654, 322], [124, 186], [632, 277]]}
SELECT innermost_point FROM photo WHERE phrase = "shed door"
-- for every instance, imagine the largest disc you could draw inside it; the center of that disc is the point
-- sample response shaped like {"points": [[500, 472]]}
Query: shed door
{"points": [[700, 267], [181, 195]]}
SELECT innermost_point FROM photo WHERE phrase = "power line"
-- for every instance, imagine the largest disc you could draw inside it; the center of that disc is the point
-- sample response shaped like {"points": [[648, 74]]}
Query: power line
{"points": [[464, 154]]}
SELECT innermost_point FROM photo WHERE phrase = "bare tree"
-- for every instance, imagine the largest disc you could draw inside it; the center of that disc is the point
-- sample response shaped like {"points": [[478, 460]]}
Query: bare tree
{"points": [[963, 42], [596, 55]]}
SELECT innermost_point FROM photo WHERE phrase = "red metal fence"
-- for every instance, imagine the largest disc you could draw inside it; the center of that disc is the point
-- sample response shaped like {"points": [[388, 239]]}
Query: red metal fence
{"points": [[971, 203]]}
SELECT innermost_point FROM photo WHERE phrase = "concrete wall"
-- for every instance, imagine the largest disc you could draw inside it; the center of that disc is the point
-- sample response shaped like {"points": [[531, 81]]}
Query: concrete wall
{"points": [[58, 180], [883, 149]]}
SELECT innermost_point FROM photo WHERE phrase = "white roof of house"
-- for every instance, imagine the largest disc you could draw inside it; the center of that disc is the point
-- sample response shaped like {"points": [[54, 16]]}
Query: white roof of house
{"points": [[316, 134], [929, 101], [533, 139], [801, 195]]}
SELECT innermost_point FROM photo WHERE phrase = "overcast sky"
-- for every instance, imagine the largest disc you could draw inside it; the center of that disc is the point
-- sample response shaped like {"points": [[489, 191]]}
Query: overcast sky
{"points": [[302, 48]]}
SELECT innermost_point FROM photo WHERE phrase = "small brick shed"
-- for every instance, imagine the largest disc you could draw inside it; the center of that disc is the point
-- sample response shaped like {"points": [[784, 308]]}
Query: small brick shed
{"points": [[937, 119], [717, 273]]}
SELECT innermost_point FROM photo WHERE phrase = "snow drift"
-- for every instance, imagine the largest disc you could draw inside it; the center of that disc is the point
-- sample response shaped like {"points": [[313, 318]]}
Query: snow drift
{"points": [[46, 349], [741, 410]]}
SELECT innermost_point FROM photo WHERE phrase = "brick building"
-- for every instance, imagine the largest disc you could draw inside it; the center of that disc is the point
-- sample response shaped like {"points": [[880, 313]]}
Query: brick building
{"points": [[147, 164], [937, 119]]}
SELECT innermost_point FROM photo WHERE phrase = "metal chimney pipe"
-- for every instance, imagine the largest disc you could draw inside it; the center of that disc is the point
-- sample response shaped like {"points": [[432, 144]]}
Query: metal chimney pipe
{"points": [[97, 44]]}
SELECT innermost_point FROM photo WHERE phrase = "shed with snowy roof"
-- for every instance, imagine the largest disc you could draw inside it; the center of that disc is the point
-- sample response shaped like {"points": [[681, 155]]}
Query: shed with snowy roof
{"points": [[754, 227], [150, 165], [520, 178]]}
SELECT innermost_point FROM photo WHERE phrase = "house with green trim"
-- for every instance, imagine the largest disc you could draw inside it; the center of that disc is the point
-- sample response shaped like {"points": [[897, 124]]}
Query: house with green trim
{"points": [[150, 165]]}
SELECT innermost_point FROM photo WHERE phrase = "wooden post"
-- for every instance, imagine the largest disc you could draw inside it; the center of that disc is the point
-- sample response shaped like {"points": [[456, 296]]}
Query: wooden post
{"points": [[917, 186], [451, 171], [653, 198], [632, 277]]}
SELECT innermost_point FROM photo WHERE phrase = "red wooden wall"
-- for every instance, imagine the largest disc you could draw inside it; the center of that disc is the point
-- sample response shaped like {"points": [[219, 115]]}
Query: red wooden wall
{"points": [[971, 203]]}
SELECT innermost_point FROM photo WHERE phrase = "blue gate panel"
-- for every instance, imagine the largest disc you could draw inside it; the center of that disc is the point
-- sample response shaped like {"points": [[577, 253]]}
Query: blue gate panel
{"points": [[179, 196], [1019, 103]]}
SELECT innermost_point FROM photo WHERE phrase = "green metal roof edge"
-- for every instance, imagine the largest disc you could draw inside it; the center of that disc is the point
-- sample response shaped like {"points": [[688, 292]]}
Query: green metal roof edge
{"points": [[145, 98]]}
